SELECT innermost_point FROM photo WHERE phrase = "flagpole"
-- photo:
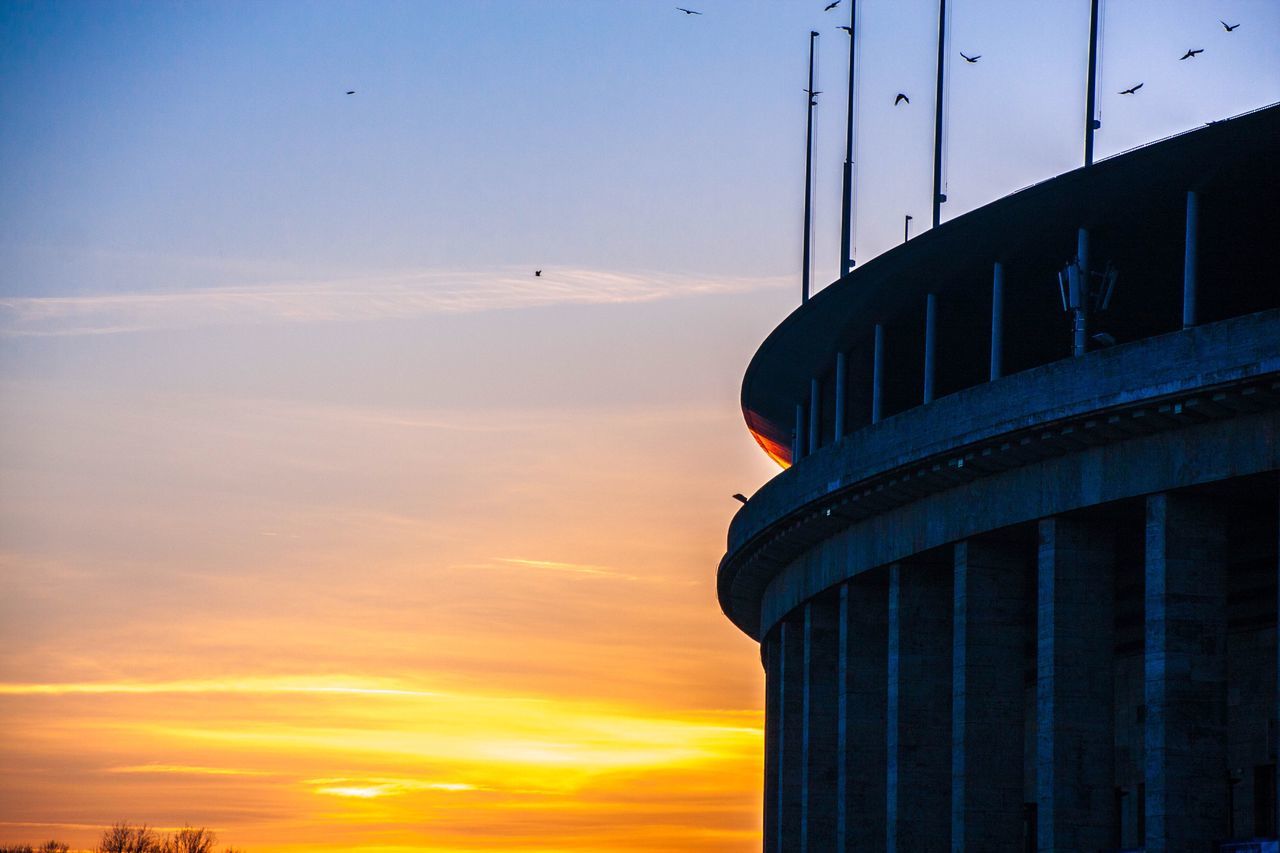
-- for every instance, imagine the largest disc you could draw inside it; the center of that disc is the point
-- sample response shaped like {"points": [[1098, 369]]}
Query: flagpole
{"points": [[846, 209], [938, 197], [1090, 101], [808, 179]]}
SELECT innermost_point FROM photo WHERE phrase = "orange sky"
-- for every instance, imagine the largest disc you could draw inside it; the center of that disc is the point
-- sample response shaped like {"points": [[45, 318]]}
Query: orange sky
{"points": [[356, 625]]}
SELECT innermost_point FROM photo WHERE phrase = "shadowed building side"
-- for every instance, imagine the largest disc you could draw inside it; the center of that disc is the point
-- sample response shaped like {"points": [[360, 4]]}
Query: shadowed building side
{"points": [[1017, 588]]}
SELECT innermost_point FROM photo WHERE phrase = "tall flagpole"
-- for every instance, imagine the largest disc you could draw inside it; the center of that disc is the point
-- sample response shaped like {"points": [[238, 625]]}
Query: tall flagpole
{"points": [[1090, 101], [938, 197], [846, 209], [808, 178]]}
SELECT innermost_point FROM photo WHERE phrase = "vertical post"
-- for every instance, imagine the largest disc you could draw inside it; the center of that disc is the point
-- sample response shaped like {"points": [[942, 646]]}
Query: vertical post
{"points": [[906, 228], [1189, 262], [846, 208], [815, 415], [877, 374], [997, 321], [1090, 98], [797, 441], [1080, 299], [842, 394], [808, 178], [930, 344], [938, 197]]}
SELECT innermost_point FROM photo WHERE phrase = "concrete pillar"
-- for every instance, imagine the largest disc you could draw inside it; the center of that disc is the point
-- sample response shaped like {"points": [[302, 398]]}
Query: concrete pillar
{"points": [[997, 321], [791, 733], [930, 344], [821, 706], [987, 701], [1186, 674], [815, 415], [842, 395], [1079, 297], [918, 709], [1075, 693], [860, 786], [1190, 262], [798, 437], [877, 374], [771, 656]]}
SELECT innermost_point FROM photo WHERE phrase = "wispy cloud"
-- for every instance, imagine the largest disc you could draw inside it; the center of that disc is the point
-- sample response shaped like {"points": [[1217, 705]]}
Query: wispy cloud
{"points": [[246, 685], [185, 770], [387, 296]]}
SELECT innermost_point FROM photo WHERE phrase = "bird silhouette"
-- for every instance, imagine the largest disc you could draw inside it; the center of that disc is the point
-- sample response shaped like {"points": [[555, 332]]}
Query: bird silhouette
{"points": [[1131, 90], [1191, 54], [537, 273], [831, 6], [740, 497], [687, 11], [1226, 26], [901, 97], [351, 91], [848, 30], [970, 58], [813, 97]]}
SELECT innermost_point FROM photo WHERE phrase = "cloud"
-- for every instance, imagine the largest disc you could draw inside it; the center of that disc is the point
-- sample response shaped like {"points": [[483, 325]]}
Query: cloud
{"points": [[390, 296]]}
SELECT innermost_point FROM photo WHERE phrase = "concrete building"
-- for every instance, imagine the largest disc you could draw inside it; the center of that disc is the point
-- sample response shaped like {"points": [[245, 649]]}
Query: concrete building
{"points": [[1017, 588]]}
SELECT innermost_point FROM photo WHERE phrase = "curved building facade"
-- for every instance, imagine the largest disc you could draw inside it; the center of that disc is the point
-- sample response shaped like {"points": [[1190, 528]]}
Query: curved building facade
{"points": [[1017, 586]]}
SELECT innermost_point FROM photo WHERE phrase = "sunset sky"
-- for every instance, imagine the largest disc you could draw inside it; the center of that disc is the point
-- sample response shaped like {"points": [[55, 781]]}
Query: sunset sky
{"points": [[323, 522]]}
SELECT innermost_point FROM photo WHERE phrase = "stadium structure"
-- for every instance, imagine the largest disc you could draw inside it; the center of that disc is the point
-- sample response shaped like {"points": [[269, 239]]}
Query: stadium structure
{"points": [[1016, 588]]}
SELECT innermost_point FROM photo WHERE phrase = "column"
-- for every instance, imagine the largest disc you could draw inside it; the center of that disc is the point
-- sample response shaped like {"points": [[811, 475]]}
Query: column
{"points": [[990, 633], [997, 321], [877, 373], [815, 415], [790, 762], [771, 656], [930, 344], [821, 706], [1189, 262], [1186, 674], [1075, 710], [918, 713], [863, 648]]}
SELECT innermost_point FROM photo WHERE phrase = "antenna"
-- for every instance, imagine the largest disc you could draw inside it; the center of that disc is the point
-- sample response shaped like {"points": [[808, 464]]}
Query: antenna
{"points": [[846, 209], [938, 197], [808, 177]]}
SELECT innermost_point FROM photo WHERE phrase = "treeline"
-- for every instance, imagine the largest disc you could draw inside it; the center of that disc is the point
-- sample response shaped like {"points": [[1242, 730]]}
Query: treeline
{"points": [[126, 838]]}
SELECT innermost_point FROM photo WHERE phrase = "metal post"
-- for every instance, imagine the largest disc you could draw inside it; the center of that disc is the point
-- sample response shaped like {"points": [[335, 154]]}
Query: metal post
{"points": [[1091, 98], [815, 415], [877, 374], [1080, 301], [842, 393], [930, 343], [1189, 262], [906, 228], [808, 178], [846, 209], [997, 321], [938, 197], [797, 440]]}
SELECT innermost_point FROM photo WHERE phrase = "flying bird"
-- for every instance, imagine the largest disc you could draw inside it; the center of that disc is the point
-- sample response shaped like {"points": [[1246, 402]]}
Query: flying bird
{"points": [[813, 97], [687, 11], [831, 6], [537, 273], [848, 30], [739, 497], [1226, 26], [1191, 54], [901, 97], [351, 91], [970, 58], [1131, 90]]}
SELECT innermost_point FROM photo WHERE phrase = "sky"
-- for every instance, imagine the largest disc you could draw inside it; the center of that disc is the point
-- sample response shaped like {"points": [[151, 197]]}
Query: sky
{"points": [[324, 523]]}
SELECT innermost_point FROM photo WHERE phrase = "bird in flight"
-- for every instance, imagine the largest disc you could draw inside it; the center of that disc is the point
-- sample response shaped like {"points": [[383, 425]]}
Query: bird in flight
{"points": [[537, 273], [1226, 26], [740, 497], [848, 30], [901, 97], [813, 97], [687, 11], [1132, 90], [351, 91], [1191, 54], [970, 58], [831, 6]]}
